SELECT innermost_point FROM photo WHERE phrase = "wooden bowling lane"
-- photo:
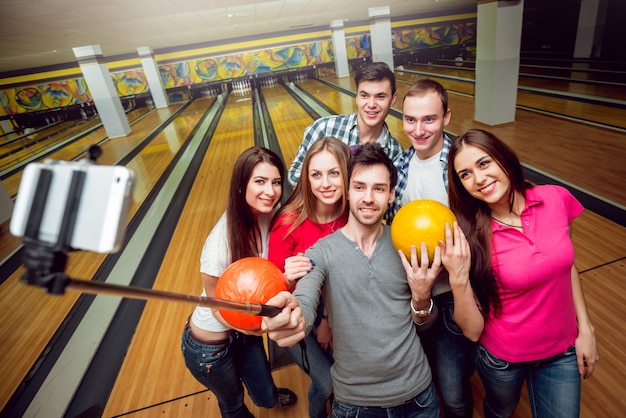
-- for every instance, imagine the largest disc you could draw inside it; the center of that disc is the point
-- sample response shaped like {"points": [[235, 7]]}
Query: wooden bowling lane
{"points": [[45, 140], [599, 103], [141, 126], [11, 144], [31, 317], [588, 156], [604, 395], [590, 71], [594, 112], [160, 383], [68, 152], [289, 120], [600, 89], [20, 151], [145, 382], [568, 81]]}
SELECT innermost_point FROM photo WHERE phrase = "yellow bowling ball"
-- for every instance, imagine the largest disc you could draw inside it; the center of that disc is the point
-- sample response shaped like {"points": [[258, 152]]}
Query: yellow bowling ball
{"points": [[421, 220]]}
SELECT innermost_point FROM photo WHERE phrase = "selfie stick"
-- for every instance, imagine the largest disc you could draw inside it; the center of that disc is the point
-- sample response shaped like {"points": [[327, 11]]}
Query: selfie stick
{"points": [[45, 263]]}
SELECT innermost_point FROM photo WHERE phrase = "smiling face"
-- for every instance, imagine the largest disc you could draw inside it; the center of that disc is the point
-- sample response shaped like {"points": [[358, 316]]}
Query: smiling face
{"points": [[264, 188], [325, 178], [374, 99], [370, 193], [481, 176], [423, 121]]}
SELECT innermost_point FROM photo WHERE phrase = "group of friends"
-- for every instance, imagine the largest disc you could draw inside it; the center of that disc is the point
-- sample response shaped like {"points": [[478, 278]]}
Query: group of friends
{"points": [[379, 333]]}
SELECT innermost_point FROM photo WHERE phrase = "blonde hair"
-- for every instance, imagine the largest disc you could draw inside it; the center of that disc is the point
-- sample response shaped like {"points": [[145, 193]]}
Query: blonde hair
{"points": [[302, 203]]}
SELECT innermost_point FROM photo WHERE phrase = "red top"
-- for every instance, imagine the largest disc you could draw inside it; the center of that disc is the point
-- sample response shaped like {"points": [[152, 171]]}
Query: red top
{"points": [[303, 237]]}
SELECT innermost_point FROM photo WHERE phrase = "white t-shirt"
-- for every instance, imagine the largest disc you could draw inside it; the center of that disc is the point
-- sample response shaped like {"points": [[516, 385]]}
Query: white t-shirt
{"points": [[425, 181], [215, 259]]}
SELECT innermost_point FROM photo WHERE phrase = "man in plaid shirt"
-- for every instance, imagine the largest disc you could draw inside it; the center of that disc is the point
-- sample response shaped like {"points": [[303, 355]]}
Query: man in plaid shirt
{"points": [[376, 93]]}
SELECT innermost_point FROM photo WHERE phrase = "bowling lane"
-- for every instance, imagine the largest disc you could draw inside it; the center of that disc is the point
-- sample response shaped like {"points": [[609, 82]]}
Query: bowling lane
{"points": [[145, 381], [289, 120], [112, 152], [73, 150], [542, 78], [24, 149], [44, 313], [557, 96], [12, 146]]}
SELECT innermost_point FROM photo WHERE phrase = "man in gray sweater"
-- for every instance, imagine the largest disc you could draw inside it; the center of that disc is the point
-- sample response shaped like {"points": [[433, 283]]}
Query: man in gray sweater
{"points": [[375, 299]]}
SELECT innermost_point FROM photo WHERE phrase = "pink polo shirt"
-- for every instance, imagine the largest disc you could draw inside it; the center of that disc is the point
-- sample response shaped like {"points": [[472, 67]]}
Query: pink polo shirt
{"points": [[533, 272]]}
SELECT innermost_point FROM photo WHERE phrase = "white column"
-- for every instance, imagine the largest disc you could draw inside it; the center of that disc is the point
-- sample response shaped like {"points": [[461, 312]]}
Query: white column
{"points": [[380, 32], [591, 20], [151, 70], [339, 46], [103, 91], [499, 34]]}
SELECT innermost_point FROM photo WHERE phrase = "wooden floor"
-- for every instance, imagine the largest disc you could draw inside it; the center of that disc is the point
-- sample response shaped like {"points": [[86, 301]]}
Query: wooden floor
{"points": [[152, 379]]}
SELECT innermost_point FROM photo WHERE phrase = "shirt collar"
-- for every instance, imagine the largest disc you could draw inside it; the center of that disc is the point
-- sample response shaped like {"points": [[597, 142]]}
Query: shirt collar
{"points": [[383, 139], [532, 199]]}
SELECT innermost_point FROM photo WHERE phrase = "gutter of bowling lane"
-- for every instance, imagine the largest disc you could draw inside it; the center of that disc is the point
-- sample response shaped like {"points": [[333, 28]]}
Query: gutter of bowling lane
{"points": [[266, 134], [312, 106]]}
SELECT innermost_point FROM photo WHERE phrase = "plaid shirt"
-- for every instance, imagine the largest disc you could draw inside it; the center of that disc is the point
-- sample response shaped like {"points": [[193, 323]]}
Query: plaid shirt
{"points": [[344, 128], [402, 164]]}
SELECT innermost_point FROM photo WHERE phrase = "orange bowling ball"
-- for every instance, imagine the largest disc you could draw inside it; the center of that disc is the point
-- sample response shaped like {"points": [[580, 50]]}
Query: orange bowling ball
{"points": [[250, 279], [421, 220]]}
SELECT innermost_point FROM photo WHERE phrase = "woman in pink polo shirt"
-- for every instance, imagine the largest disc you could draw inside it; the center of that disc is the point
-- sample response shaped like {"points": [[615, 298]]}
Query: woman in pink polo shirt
{"points": [[531, 315]]}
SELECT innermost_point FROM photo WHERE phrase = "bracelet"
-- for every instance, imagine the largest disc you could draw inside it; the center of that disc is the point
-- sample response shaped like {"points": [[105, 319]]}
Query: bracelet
{"points": [[422, 313]]}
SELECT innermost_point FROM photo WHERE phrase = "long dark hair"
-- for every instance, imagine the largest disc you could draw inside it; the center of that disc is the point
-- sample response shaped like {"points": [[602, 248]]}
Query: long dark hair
{"points": [[302, 202], [474, 216], [241, 223]]}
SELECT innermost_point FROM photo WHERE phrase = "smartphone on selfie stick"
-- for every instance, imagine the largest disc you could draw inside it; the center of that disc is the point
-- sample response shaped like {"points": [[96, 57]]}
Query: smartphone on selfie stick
{"points": [[70, 205]]}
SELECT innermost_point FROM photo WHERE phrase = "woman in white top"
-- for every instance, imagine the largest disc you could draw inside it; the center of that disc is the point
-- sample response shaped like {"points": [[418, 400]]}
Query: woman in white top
{"points": [[217, 355]]}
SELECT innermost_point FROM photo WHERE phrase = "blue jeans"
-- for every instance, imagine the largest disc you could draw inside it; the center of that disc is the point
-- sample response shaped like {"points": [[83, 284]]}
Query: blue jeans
{"points": [[319, 362], [222, 368], [553, 384], [424, 405], [451, 358]]}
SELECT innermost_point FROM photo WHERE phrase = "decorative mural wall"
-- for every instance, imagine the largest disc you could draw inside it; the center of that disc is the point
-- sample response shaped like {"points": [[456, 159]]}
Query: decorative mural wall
{"points": [[209, 69], [437, 36], [43, 96], [252, 63]]}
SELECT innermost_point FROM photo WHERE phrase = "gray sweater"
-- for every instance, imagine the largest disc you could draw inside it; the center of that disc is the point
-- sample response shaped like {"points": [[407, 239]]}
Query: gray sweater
{"points": [[379, 360]]}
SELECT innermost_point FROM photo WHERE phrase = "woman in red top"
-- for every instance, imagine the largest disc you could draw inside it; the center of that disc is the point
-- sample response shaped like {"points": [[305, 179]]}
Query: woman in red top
{"points": [[316, 208]]}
